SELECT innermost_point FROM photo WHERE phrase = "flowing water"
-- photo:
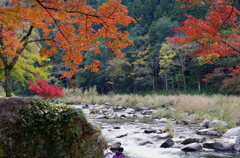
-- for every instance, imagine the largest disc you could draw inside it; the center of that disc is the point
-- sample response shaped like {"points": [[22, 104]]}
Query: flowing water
{"points": [[135, 136], [130, 133]]}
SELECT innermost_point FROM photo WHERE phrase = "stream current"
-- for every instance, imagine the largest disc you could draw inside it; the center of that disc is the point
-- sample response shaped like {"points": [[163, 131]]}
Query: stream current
{"points": [[130, 134]]}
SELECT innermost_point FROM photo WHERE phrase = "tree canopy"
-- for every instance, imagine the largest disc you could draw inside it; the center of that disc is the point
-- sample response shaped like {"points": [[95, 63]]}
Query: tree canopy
{"points": [[74, 26]]}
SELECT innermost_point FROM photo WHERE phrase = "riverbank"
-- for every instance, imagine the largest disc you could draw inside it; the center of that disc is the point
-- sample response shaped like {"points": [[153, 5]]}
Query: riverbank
{"points": [[213, 107]]}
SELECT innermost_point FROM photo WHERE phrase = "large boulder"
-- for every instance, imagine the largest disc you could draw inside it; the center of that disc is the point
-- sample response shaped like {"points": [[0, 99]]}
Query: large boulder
{"points": [[86, 141], [219, 146], [232, 132]]}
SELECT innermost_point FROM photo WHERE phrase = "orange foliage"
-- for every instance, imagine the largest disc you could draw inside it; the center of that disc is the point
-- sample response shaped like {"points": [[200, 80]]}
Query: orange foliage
{"points": [[66, 24]]}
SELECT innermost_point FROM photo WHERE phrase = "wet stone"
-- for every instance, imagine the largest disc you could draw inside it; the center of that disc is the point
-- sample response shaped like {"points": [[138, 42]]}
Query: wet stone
{"points": [[168, 143], [150, 131], [145, 143], [192, 147]]}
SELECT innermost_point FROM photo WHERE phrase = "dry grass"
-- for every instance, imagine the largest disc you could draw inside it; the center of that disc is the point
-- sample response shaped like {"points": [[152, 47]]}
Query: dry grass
{"points": [[226, 108]]}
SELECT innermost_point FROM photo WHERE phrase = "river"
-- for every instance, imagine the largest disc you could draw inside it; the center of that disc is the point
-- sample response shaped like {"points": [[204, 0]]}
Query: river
{"points": [[138, 144]]}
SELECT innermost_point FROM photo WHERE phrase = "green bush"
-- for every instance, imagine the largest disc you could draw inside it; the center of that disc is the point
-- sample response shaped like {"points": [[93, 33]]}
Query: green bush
{"points": [[43, 130]]}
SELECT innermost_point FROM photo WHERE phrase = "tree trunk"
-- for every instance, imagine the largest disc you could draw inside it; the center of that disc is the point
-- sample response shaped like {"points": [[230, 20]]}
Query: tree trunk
{"points": [[166, 83], [8, 89], [199, 85], [172, 82]]}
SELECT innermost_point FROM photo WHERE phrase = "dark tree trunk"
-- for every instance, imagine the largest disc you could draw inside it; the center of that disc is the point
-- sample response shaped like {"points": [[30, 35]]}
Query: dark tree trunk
{"points": [[8, 89]]}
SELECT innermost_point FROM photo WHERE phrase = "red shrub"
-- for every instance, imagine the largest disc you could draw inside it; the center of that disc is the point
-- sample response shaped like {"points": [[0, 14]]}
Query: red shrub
{"points": [[42, 88]]}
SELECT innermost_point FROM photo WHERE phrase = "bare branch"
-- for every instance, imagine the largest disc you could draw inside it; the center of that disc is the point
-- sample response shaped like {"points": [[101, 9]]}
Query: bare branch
{"points": [[27, 35]]}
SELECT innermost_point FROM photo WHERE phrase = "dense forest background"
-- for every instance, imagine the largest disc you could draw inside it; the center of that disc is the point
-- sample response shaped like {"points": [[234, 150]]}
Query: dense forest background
{"points": [[153, 63]]}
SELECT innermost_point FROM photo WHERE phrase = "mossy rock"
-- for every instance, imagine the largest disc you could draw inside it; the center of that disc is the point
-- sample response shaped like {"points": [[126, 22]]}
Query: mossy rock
{"points": [[81, 138]]}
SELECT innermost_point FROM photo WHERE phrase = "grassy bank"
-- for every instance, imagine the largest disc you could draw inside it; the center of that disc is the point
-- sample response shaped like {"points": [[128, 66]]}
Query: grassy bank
{"points": [[226, 108]]}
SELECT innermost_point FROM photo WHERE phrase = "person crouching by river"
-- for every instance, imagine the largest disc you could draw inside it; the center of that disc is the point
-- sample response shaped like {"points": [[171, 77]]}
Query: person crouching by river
{"points": [[119, 153], [108, 153]]}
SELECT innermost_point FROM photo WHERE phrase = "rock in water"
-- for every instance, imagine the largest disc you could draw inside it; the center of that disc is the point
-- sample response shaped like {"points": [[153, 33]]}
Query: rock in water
{"points": [[192, 147], [164, 135], [168, 143], [237, 144], [193, 140], [219, 146], [232, 132]]}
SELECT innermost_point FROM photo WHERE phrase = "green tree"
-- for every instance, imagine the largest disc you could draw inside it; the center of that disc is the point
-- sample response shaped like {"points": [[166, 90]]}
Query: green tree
{"points": [[118, 71], [173, 62]]}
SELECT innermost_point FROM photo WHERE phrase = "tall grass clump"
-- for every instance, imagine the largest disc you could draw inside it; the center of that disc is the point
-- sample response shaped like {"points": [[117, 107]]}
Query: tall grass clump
{"points": [[169, 128]]}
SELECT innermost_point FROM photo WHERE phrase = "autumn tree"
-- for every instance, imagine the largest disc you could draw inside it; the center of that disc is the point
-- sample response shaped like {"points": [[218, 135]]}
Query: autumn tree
{"points": [[29, 65], [72, 25], [218, 34]]}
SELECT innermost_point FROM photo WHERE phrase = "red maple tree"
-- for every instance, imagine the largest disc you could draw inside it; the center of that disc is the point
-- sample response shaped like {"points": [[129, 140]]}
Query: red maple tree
{"points": [[218, 34]]}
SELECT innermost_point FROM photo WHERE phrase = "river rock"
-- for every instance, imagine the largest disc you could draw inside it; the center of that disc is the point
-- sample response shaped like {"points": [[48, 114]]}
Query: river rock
{"points": [[130, 111], [232, 132], [205, 123], [146, 142], [122, 116], [163, 120], [116, 145], [167, 144], [192, 117], [192, 147], [122, 135], [94, 110], [193, 140], [213, 123], [150, 130], [213, 133], [237, 144], [118, 108], [100, 117], [219, 146], [146, 112], [203, 131], [164, 135], [85, 106], [107, 103]]}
